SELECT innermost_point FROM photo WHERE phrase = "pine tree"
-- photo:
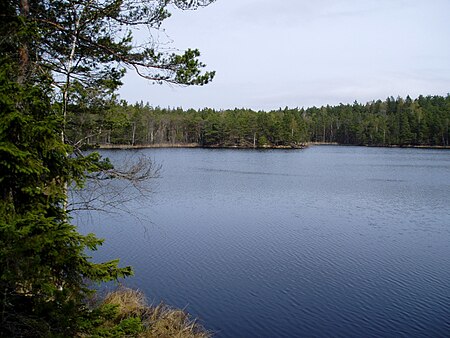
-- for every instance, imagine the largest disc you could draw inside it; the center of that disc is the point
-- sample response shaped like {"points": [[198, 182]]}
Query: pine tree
{"points": [[51, 54]]}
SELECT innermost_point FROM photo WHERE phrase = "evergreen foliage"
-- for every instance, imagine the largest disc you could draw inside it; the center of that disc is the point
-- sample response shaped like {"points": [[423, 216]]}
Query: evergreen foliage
{"points": [[393, 122], [45, 269], [60, 58]]}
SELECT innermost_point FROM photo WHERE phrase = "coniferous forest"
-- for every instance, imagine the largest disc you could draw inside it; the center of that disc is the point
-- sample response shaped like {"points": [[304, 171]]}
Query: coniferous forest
{"points": [[423, 121]]}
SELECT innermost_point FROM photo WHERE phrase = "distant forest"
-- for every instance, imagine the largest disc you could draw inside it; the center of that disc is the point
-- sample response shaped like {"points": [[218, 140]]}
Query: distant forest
{"points": [[423, 121]]}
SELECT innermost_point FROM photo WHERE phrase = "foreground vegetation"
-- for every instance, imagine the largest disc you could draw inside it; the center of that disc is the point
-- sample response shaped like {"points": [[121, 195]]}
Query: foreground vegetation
{"points": [[52, 55], [125, 313], [424, 121]]}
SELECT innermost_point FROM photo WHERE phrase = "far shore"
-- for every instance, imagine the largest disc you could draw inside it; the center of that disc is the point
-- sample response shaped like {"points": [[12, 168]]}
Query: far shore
{"points": [[192, 145], [376, 146], [300, 146]]}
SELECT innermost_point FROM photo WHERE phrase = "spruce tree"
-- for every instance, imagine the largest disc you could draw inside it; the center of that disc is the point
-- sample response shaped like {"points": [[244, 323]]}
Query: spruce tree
{"points": [[51, 53]]}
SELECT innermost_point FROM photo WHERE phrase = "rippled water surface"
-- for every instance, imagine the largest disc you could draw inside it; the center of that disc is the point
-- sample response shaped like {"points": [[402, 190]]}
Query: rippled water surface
{"points": [[326, 241]]}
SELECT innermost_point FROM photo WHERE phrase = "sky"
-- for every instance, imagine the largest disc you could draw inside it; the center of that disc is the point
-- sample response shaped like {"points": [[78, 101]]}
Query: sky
{"points": [[297, 53]]}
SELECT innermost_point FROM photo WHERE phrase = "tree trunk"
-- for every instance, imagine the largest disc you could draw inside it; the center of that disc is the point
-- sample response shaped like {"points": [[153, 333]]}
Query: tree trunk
{"points": [[133, 135], [23, 49]]}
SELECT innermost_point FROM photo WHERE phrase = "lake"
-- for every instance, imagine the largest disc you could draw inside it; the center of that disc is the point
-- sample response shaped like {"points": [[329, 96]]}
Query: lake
{"points": [[324, 241]]}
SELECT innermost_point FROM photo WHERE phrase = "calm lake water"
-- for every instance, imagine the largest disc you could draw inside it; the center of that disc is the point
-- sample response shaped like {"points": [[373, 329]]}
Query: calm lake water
{"points": [[326, 241]]}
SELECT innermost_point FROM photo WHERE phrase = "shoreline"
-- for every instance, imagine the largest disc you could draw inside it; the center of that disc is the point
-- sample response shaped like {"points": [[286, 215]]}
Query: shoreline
{"points": [[410, 146], [292, 147], [191, 145]]}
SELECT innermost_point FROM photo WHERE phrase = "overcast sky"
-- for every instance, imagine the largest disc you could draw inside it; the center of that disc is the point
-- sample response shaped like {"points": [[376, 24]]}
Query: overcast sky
{"points": [[298, 53]]}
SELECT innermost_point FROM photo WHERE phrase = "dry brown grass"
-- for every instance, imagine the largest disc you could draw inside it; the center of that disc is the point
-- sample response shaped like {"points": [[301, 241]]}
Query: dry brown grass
{"points": [[159, 321]]}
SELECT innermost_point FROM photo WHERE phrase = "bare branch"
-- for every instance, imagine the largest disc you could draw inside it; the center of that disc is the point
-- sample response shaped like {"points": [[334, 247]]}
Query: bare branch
{"points": [[111, 190]]}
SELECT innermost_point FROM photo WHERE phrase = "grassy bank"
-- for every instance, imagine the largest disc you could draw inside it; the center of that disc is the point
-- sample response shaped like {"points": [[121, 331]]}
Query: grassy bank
{"points": [[126, 313]]}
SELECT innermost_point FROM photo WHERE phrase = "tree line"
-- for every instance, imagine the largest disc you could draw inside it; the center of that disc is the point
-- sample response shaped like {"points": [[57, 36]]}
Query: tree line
{"points": [[423, 121]]}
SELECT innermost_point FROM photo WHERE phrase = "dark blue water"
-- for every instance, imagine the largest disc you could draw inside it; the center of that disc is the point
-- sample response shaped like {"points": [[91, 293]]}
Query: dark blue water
{"points": [[326, 241]]}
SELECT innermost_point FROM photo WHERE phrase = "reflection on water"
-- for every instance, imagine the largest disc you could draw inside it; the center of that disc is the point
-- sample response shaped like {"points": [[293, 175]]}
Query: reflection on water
{"points": [[326, 241]]}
